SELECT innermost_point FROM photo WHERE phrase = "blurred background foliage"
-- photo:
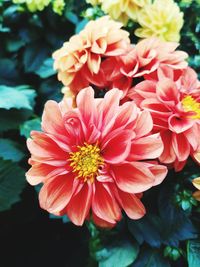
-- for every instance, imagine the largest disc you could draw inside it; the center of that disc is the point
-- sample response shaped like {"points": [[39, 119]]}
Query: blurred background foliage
{"points": [[169, 235]]}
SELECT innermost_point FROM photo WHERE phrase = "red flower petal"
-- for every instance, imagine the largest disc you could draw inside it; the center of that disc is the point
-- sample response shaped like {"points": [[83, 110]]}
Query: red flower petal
{"points": [[167, 91], [133, 177], [131, 205], [52, 124], [56, 193], [144, 124], [104, 205], [178, 124], [181, 146], [149, 147], [116, 147], [79, 206], [41, 172]]}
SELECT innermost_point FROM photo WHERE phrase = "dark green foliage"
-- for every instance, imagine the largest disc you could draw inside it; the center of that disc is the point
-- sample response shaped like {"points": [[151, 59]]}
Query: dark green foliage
{"points": [[11, 183], [193, 248], [190, 34], [27, 81]]}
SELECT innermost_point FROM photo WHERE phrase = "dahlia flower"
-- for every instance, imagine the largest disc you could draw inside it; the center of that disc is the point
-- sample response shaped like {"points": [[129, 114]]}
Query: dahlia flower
{"points": [[78, 61], [146, 59], [95, 159], [175, 108], [162, 18], [123, 10], [58, 6], [33, 5]]}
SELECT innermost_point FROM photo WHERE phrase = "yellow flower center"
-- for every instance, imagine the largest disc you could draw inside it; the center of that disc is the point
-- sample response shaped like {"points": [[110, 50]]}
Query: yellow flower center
{"points": [[190, 104], [86, 161]]}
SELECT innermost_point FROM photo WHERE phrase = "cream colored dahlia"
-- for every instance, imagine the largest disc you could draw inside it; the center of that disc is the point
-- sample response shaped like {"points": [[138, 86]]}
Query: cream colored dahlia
{"points": [[162, 18]]}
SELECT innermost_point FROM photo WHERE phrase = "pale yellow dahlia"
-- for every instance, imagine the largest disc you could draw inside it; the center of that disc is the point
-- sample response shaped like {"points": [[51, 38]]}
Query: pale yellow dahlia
{"points": [[123, 10], [58, 6], [162, 18], [33, 5]]}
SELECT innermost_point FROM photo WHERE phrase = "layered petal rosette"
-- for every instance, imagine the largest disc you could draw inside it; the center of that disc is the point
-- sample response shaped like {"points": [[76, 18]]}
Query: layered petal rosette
{"points": [[144, 60], [123, 10], [175, 108], [78, 60], [161, 18], [96, 159]]}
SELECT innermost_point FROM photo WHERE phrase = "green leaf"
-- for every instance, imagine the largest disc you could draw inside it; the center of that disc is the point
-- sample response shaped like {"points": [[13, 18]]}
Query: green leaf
{"points": [[28, 126], [64, 218], [11, 119], [72, 17], [121, 255], [9, 150], [46, 69], [150, 258], [193, 253], [8, 70], [81, 25], [34, 56], [12, 181], [16, 97], [14, 44]]}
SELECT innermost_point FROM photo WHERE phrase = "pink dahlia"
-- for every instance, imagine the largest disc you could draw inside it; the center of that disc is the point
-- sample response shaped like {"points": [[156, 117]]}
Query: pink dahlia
{"points": [[95, 159], [145, 60], [78, 60], [175, 109]]}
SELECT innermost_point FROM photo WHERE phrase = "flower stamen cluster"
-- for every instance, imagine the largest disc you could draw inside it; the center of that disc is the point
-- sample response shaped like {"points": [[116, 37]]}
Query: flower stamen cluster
{"points": [[191, 105], [86, 162]]}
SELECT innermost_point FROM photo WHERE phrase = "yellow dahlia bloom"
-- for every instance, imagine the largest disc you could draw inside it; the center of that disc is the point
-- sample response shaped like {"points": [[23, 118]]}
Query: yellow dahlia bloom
{"points": [[33, 5], [162, 18], [58, 6], [123, 10]]}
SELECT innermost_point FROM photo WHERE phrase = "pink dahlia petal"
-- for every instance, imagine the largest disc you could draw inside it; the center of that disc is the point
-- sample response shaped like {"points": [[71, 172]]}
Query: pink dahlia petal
{"points": [[52, 125], [45, 150], [116, 146], [104, 204], [179, 165], [168, 155], [102, 223], [75, 128], [192, 135], [167, 91], [108, 110], [86, 105], [179, 124], [79, 205], [41, 172], [180, 146], [156, 108], [126, 116], [145, 89], [131, 205], [144, 124], [56, 193], [132, 177], [159, 172], [149, 147]]}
